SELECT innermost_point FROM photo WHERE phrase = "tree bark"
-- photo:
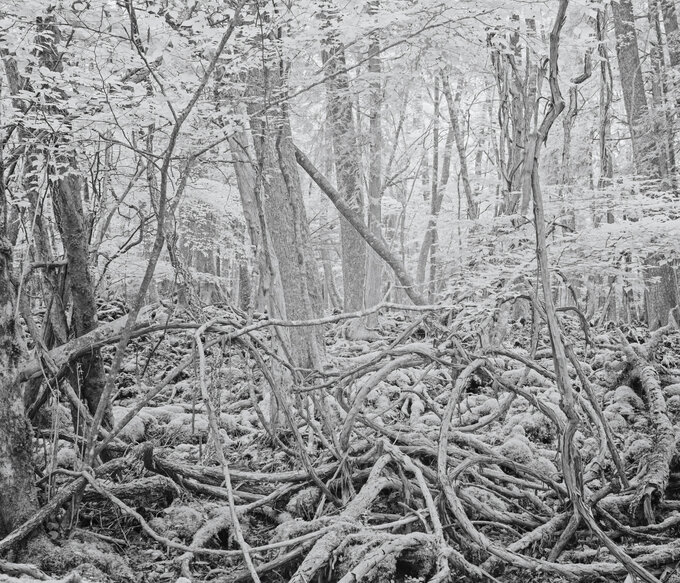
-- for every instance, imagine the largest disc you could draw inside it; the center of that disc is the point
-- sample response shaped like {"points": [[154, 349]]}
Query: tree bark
{"points": [[374, 265], [662, 115], [670, 23], [570, 456], [569, 216], [606, 91], [428, 248], [645, 157], [472, 204], [661, 293], [570, 117], [435, 203], [284, 226], [18, 498], [55, 329], [70, 218], [529, 97], [332, 297], [347, 170], [515, 116], [68, 208], [244, 159]]}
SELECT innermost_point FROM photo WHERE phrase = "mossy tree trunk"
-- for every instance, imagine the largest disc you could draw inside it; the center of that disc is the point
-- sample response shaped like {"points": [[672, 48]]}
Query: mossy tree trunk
{"points": [[18, 499]]}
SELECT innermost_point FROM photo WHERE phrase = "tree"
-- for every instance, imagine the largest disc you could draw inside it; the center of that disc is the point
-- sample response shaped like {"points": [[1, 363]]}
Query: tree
{"points": [[67, 200], [18, 498], [294, 278], [428, 248], [516, 78], [374, 265], [646, 158], [347, 164], [604, 129]]}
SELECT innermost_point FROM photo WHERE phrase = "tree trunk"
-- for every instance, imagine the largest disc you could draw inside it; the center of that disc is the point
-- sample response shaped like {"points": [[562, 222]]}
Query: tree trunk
{"points": [[515, 116], [569, 216], [285, 229], [75, 236], [661, 292], [332, 297], [55, 329], [662, 116], [472, 204], [347, 170], [18, 498], [670, 23], [606, 91], [428, 248], [645, 157], [529, 96], [244, 160], [648, 148], [71, 221], [374, 265], [435, 204], [74, 233]]}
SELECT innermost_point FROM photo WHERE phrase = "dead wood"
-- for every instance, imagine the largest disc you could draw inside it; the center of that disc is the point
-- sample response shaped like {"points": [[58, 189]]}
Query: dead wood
{"points": [[142, 492], [60, 498], [653, 483]]}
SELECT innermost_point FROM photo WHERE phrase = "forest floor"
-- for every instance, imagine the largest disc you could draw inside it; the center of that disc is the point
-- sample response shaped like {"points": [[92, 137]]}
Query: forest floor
{"points": [[412, 456]]}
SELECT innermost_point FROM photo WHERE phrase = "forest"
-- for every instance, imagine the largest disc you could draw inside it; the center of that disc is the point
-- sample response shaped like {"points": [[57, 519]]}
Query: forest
{"points": [[321, 291]]}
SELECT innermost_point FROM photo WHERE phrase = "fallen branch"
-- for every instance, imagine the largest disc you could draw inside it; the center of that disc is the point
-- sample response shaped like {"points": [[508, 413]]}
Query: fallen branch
{"points": [[58, 500]]}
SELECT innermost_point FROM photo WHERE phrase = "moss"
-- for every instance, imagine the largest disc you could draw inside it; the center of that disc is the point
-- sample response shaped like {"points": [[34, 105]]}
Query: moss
{"points": [[303, 504], [536, 426], [91, 557], [517, 449], [624, 394], [183, 520], [638, 449]]}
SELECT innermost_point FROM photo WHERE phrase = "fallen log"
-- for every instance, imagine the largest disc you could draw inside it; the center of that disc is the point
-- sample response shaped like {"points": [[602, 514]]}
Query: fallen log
{"points": [[63, 355], [653, 482], [144, 492], [213, 475], [60, 498]]}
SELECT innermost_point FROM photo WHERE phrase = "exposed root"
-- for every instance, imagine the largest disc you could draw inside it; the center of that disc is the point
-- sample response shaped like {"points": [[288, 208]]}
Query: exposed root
{"points": [[446, 465]]}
